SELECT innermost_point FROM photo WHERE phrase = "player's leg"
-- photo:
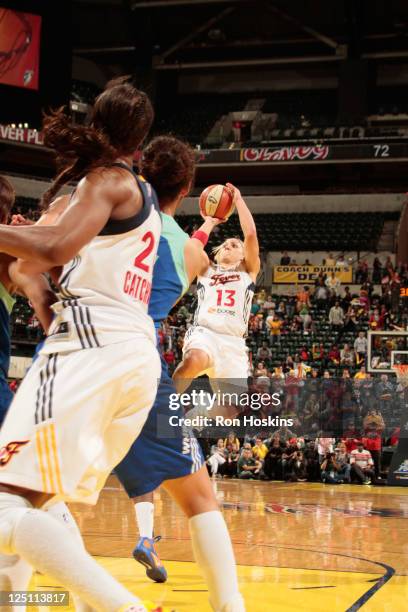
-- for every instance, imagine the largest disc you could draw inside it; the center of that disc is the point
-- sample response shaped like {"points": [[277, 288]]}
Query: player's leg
{"points": [[211, 541], [195, 362], [44, 456], [27, 532], [61, 512], [200, 346], [145, 551]]}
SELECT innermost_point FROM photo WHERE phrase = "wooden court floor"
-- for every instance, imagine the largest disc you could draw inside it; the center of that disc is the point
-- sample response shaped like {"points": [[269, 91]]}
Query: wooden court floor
{"points": [[299, 546]]}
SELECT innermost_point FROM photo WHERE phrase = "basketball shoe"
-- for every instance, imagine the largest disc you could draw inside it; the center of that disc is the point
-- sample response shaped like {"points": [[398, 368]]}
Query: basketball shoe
{"points": [[146, 554]]}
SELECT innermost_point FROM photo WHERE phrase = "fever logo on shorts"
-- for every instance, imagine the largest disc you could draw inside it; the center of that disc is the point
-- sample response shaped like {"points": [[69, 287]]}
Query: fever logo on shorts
{"points": [[12, 448]]}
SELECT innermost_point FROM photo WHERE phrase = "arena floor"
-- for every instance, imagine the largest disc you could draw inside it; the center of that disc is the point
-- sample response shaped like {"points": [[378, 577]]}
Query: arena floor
{"points": [[310, 547]]}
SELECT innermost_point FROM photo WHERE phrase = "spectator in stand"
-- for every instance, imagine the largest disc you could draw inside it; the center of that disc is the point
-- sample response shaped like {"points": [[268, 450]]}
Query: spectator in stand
{"points": [[340, 263], [334, 355], [285, 259], [377, 266], [362, 272], [347, 356], [389, 266], [273, 460], [336, 317], [330, 261], [269, 304], [256, 325], [296, 468], [395, 290], [362, 303], [333, 284], [260, 370], [318, 352], [343, 461], [361, 374], [256, 306], [274, 325], [311, 413], [324, 446], [330, 469], [362, 464], [346, 299], [374, 426], [264, 353], [303, 298], [304, 354], [306, 318], [288, 455], [260, 449], [232, 439], [248, 466], [312, 462], [281, 310], [217, 457], [284, 434], [321, 294], [360, 348], [351, 320], [376, 320], [384, 393], [230, 467]]}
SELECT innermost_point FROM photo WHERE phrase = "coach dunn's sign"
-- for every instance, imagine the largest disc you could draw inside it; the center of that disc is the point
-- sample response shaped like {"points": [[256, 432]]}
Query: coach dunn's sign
{"points": [[308, 274]]}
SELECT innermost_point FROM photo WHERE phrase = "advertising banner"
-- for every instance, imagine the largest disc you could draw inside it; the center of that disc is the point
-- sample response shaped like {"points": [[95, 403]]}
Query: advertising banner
{"points": [[307, 274]]}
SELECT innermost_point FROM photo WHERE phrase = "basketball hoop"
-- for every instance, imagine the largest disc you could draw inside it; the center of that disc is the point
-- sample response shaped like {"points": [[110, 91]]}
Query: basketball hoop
{"points": [[401, 370]]}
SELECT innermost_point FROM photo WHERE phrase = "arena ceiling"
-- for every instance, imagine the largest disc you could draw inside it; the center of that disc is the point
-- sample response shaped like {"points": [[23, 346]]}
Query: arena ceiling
{"points": [[200, 34]]}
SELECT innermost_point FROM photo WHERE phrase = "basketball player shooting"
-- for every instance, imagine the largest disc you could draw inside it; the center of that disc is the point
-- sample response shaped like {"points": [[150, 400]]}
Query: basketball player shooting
{"points": [[215, 344]]}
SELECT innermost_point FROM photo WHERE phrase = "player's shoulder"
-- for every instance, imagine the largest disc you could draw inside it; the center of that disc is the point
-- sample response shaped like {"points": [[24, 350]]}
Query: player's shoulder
{"points": [[118, 180]]}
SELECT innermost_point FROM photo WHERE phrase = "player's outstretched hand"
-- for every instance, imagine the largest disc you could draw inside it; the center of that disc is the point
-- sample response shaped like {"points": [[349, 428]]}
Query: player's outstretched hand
{"points": [[213, 220], [235, 191]]}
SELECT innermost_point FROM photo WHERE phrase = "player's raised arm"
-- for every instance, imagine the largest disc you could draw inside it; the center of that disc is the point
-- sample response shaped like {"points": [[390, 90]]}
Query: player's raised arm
{"points": [[92, 205], [251, 245], [197, 260]]}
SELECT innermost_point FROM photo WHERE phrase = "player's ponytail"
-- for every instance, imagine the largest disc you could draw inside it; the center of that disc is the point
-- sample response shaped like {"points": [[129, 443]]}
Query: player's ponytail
{"points": [[120, 120], [169, 165], [7, 197]]}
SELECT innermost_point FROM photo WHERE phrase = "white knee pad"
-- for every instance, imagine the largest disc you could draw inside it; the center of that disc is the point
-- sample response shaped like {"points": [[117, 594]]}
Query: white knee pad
{"points": [[12, 509]]}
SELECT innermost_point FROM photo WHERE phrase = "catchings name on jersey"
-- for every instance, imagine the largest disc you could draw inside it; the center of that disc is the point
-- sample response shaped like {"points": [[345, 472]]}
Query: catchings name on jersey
{"points": [[104, 291], [224, 301]]}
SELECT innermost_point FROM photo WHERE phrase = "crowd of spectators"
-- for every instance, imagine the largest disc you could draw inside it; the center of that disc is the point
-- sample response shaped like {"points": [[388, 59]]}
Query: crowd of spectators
{"points": [[283, 456]]}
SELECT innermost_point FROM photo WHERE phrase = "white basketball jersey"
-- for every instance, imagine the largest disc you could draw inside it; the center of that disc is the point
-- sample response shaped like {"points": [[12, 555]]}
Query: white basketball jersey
{"points": [[224, 301], [105, 290]]}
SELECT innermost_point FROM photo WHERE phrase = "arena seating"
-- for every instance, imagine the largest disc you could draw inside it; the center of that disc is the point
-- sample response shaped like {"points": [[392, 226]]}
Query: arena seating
{"points": [[308, 232]]}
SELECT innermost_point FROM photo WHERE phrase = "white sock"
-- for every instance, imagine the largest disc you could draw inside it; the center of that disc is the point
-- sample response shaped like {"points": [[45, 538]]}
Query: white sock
{"points": [[145, 518], [15, 575], [213, 552], [42, 541], [61, 512]]}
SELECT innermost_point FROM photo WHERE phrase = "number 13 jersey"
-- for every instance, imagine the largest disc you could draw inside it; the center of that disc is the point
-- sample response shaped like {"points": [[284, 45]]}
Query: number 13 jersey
{"points": [[224, 301], [104, 291]]}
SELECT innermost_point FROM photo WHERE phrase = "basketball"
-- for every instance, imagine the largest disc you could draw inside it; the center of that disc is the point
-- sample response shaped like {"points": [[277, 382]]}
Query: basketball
{"points": [[217, 201]]}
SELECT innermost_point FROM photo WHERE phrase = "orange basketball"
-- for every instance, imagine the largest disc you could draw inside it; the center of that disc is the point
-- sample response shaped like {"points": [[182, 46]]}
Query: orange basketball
{"points": [[217, 201]]}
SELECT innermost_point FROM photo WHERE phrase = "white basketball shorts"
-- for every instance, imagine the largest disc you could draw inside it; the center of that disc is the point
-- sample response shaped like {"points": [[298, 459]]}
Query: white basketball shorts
{"points": [[228, 354], [76, 415]]}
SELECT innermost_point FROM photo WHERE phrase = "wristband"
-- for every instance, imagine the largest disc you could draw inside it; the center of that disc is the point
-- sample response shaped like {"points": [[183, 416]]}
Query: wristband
{"points": [[201, 236]]}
